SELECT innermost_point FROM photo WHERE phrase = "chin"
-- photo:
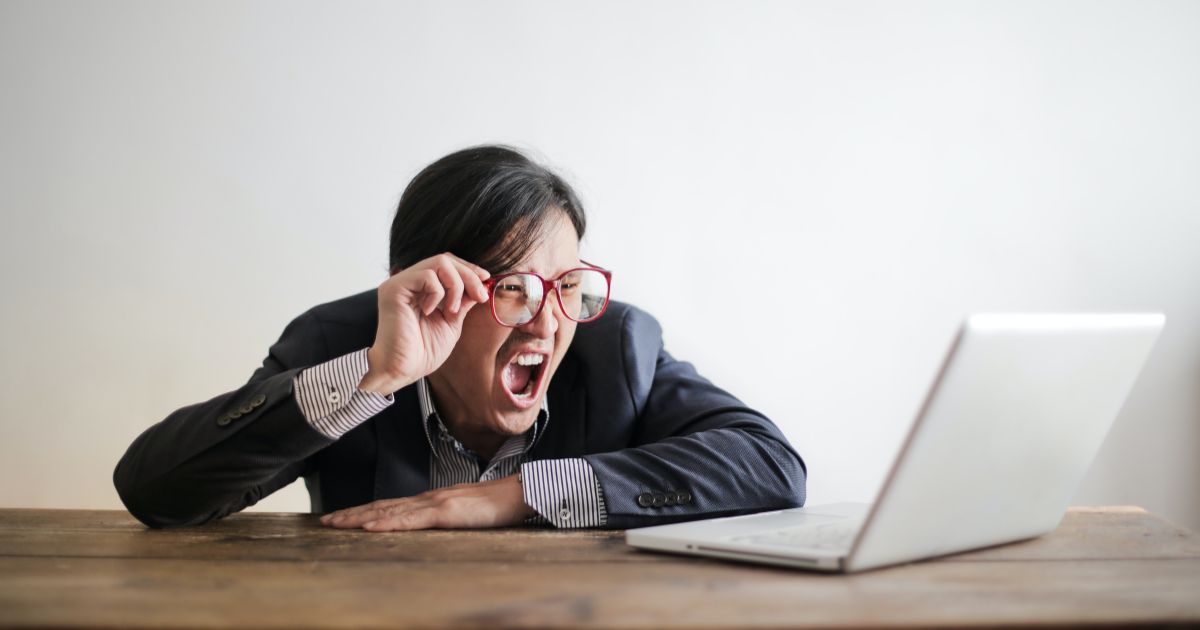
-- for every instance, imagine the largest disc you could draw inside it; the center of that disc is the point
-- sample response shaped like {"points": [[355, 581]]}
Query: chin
{"points": [[518, 422]]}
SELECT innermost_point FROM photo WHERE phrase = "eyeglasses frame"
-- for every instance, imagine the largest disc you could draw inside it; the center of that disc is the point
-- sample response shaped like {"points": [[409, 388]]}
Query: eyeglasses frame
{"points": [[551, 286]]}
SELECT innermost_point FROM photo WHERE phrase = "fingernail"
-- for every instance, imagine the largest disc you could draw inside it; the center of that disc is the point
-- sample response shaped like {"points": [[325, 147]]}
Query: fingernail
{"points": [[368, 524]]}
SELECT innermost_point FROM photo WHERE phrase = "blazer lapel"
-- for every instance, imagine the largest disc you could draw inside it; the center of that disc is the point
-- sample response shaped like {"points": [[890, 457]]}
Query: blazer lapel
{"points": [[566, 432], [402, 462]]}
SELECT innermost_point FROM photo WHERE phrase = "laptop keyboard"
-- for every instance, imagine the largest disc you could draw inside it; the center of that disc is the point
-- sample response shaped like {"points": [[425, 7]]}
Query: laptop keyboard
{"points": [[824, 536]]}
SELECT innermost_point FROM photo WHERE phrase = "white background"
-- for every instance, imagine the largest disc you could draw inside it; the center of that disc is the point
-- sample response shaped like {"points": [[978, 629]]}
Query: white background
{"points": [[808, 196]]}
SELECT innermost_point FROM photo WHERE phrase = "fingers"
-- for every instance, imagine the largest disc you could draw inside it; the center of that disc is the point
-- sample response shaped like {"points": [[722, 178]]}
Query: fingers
{"points": [[387, 515], [355, 517], [471, 267], [449, 281], [421, 310], [456, 318], [494, 503], [453, 281], [431, 291], [472, 277], [419, 518]]}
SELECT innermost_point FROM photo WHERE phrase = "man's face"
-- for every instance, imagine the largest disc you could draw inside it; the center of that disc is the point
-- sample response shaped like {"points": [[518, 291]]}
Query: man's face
{"points": [[473, 388]]}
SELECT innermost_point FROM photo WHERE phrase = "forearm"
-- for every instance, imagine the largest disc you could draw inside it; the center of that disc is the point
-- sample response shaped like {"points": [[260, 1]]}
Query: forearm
{"points": [[706, 474], [696, 451], [564, 492], [206, 460]]}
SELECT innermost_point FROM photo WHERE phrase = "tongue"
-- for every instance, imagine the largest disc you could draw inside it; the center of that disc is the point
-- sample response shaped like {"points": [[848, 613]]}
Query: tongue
{"points": [[516, 377]]}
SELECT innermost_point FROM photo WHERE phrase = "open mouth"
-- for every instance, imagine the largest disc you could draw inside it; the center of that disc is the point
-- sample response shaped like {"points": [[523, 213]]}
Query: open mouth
{"points": [[522, 377]]}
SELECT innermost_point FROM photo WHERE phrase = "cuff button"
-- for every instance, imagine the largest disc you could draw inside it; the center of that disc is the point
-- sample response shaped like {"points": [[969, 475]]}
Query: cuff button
{"points": [[645, 499], [564, 514], [334, 398]]}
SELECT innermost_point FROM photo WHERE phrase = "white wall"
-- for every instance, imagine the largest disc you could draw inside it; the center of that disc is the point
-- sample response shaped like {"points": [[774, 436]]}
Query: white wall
{"points": [[809, 197]]}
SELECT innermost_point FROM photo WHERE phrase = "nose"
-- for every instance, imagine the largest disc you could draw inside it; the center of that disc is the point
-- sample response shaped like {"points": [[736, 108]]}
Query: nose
{"points": [[546, 323]]}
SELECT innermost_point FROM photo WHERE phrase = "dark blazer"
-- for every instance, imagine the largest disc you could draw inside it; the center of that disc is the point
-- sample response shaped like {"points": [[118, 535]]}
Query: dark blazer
{"points": [[653, 430]]}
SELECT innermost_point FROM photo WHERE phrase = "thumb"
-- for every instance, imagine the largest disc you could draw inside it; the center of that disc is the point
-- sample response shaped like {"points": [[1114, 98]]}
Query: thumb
{"points": [[456, 319]]}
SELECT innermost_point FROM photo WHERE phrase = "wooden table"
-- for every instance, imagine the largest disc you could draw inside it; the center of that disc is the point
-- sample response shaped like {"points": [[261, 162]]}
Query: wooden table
{"points": [[72, 568]]}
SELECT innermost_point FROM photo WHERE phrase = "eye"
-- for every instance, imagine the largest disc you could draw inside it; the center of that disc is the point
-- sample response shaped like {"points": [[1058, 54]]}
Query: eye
{"points": [[571, 280], [511, 287]]}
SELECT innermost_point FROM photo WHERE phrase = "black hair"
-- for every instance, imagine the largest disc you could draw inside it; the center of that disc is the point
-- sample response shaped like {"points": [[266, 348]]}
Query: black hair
{"points": [[486, 204]]}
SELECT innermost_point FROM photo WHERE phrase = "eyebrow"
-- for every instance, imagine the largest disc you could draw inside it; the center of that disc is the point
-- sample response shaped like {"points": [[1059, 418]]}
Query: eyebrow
{"points": [[575, 265]]}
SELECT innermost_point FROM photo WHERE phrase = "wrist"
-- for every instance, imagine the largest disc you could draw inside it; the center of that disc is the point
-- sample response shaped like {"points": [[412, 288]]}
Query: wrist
{"points": [[527, 510], [373, 382], [376, 380]]}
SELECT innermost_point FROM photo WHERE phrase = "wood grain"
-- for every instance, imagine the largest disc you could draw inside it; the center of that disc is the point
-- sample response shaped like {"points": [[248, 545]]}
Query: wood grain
{"points": [[99, 569]]}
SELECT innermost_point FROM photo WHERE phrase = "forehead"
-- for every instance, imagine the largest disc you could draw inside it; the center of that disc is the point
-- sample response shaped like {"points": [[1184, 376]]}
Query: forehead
{"points": [[556, 249]]}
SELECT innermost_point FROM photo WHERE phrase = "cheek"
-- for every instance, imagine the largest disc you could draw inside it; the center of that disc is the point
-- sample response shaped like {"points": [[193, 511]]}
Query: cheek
{"points": [[566, 331], [479, 342], [562, 338]]}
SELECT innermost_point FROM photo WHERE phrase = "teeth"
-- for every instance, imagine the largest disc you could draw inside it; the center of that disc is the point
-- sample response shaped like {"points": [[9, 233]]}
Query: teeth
{"points": [[530, 359]]}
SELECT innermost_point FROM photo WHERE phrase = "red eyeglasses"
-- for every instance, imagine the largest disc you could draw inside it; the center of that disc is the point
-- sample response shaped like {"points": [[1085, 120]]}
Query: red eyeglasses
{"points": [[518, 297]]}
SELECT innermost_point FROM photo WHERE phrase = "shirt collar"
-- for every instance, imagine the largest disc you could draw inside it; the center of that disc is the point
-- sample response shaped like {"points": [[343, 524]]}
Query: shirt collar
{"points": [[433, 423]]}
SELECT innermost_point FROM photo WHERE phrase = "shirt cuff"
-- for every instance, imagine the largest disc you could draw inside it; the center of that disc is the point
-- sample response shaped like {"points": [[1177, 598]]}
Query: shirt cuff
{"points": [[329, 396], [564, 492]]}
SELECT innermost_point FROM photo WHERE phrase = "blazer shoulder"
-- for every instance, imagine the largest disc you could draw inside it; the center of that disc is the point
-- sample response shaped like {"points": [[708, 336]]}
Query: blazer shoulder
{"points": [[626, 340], [348, 311], [346, 324], [622, 327]]}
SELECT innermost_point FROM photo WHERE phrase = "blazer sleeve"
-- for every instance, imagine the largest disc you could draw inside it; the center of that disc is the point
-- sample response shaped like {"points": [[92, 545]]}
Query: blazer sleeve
{"points": [[210, 459], [697, 451]]}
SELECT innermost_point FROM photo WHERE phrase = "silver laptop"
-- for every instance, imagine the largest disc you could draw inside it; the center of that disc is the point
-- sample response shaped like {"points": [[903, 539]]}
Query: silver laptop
{"points": [[1003, 440]]}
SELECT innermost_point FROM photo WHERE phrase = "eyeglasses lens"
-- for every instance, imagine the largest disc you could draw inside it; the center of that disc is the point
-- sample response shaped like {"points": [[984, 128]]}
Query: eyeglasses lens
{"points": [[517, 297], [584, 293]]}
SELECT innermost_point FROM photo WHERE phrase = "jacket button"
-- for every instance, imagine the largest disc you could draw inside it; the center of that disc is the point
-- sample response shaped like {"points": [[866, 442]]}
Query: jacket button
{"points": [[645, 499], [670, 499], [683, 498], [245, 409], [660, 499], [258, 400], [223, 420]]}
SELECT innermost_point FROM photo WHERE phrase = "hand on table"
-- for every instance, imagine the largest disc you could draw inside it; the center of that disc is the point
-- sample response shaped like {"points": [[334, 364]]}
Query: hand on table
{"points": [[495, 503]]}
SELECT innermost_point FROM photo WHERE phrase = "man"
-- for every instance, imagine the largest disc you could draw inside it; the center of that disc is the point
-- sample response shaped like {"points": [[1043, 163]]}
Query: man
{"points": [[475, 403]]}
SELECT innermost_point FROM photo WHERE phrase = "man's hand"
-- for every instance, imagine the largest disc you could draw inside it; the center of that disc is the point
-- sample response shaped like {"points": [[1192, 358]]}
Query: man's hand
{"points": [[469, 505], [421, 311]]}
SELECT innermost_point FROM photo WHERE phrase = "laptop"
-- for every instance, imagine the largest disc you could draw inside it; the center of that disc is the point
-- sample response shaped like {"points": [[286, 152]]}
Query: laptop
{"points": [[999, 447]]}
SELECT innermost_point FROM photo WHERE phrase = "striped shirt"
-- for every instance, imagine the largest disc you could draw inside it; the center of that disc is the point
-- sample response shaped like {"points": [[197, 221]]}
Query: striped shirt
{"points": [[564, 492]]}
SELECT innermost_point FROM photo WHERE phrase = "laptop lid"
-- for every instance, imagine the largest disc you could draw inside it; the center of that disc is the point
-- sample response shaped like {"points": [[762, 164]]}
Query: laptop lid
{"points": [[1006, 433]]}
